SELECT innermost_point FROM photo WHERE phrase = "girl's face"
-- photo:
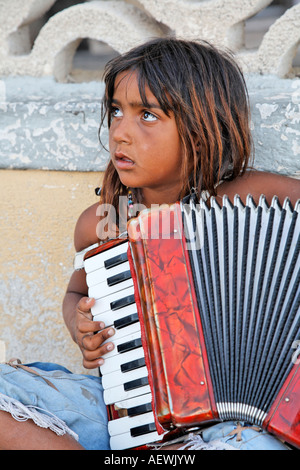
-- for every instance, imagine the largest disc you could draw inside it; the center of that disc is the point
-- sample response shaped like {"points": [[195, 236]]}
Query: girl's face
{"points": [[144, 143]]}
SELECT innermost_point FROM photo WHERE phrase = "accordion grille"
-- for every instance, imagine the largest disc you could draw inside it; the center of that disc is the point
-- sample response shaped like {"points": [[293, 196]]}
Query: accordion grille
{"points": [[246, 271]]}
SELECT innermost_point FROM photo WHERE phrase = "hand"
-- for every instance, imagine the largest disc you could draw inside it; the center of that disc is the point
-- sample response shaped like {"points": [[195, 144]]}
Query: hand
{"points": [[90, 335]]}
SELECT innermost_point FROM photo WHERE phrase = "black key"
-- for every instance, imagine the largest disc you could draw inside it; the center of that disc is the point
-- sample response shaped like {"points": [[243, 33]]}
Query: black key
{"points": [[113, 280], [136, 384], [129, 345], [119, 259], [145, 429], [117, 304], [132, 365], [126, 321], [139, 410]]}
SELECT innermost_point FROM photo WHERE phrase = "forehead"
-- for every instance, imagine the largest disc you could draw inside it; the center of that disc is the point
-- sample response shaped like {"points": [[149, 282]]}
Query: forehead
{"points": [[128, 85]]}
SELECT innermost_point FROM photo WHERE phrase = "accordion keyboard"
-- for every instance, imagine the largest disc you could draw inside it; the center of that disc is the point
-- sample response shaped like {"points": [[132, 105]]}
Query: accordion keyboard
{"points": [[124, 372]]}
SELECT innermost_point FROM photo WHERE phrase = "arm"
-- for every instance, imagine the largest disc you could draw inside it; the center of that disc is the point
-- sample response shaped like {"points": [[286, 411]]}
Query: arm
{"points": [[88, 334], [257, 183]]}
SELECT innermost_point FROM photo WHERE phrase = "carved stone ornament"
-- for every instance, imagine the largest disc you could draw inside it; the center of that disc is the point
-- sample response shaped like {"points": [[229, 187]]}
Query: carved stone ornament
{"points": [[123, 24]]}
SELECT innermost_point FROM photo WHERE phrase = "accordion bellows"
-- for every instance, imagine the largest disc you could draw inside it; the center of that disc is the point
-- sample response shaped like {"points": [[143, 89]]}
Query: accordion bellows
{"points": [[217, 294], [247, 283]]}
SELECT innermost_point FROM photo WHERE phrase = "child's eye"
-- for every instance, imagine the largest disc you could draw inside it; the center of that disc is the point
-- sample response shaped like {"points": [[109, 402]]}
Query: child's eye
{"points": [[116, 112], [149, 117]]}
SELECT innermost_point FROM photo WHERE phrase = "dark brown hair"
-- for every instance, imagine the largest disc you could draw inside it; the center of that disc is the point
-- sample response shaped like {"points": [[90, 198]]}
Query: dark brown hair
{"points": [[206, 91]]}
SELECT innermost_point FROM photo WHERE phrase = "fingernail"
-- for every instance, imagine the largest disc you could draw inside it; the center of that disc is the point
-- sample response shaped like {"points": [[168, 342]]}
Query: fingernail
{"points": [[101, 325], [111, 332], [101, 362], [109, 347]]}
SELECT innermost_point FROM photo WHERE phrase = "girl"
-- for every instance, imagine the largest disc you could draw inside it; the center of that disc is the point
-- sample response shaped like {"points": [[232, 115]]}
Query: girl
{"points": [[178, 119]]}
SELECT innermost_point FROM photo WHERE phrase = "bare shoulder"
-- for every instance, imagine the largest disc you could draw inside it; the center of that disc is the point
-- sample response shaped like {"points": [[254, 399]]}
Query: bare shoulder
{"points": [[86, 228], [257, 183]]}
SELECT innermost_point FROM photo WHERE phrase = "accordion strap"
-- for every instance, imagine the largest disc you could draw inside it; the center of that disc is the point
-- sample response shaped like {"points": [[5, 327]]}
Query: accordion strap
{"points": [[79, 256], [239, 428], [16, 364]]}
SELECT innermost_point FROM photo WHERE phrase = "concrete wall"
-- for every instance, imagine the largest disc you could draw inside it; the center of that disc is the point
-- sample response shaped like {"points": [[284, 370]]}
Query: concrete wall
{"points": [[50, 157], [38, 212], [54, 126]]}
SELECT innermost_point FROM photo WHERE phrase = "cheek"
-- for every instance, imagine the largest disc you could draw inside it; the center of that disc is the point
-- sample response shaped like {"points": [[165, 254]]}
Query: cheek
{"points": [[173, 142], [110, 139], [161, 146], [176, 151]]}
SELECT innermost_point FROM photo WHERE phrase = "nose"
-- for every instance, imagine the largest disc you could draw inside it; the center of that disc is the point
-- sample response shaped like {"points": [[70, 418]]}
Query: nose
{"points": [[121, 130]]}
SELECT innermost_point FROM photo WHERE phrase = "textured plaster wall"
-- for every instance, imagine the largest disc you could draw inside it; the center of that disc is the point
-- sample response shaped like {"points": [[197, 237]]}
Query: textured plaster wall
{"points": [[50, 125], [37, 217]]}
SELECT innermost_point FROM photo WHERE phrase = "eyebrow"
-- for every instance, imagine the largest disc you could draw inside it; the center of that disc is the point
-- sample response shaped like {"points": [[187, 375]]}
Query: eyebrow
{"points": [[137, 104]]}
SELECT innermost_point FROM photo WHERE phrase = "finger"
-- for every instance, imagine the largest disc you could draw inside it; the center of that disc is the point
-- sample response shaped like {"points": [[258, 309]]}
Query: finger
{"points": [[89, 326], [93, 342], [98, 354], [84, 306], [85, 303], [88, 344], [92, 364], [92, 359]]}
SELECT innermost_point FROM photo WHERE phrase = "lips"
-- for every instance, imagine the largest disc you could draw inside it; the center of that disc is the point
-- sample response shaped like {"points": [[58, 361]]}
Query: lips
{"points": [[122, 161]]}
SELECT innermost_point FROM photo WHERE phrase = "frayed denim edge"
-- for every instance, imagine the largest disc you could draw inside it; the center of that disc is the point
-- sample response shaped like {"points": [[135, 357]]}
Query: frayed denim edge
{"points": [[41, 418]]}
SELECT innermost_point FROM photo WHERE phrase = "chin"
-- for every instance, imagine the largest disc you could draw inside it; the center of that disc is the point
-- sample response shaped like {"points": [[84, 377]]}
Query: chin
{"points": [[129, 182]]}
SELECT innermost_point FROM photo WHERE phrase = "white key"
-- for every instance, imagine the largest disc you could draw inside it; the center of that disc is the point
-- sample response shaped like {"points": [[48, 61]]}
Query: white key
{"points": [[103, 304], [101, 275], [126, 441], [97, 261], [110, 316], [115, 394], [114, 363], [135, 401], [135, 328], [124, 425], [118, 378], [102, 289], [120, 333], [132, 332]]}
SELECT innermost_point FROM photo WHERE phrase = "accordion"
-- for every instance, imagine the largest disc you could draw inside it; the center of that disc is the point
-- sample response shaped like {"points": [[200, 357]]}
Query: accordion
{"points": [[204, 300]]}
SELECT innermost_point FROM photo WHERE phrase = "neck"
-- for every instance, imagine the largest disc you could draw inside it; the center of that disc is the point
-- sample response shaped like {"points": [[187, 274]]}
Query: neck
{"points": [[166, 196]]}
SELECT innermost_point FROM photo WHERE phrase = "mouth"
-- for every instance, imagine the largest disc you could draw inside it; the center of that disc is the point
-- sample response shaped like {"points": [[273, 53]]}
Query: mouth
{"points": [[122, 161]]}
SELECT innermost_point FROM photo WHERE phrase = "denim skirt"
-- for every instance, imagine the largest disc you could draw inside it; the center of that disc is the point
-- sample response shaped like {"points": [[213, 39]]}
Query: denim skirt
{"points": [[55, 398]]}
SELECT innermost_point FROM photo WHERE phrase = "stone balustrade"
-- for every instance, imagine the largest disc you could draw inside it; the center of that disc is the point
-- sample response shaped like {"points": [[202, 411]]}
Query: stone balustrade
{"points": [[123, 24]]}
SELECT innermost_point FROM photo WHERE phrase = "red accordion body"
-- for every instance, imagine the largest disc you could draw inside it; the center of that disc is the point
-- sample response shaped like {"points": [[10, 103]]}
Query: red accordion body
{"points": [[182, 388]]}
